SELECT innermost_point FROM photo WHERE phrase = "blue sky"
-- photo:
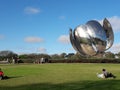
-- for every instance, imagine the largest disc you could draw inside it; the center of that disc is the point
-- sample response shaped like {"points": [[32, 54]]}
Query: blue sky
{"points": [[42, 26]]}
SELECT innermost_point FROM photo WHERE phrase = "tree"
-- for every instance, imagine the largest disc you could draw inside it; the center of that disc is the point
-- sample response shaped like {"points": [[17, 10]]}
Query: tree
{"points": [[55, 56], [43, 56], [109, 55], [63, 55], [78, 56], [70, 55], [117, 55], [4, 55], [29, 58]]}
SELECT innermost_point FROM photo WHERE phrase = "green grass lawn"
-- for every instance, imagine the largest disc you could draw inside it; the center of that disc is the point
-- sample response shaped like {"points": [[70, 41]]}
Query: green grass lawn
{"points": [[60, 76]]}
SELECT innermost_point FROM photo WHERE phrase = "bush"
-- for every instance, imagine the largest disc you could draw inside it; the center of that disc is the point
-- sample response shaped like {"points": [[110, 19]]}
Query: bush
{"points": [[86, 61], [20, 61]]}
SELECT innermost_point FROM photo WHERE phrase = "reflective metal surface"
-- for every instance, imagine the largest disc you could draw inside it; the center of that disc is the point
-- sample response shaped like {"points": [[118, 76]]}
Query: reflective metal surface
{"points": [[92, 38]]}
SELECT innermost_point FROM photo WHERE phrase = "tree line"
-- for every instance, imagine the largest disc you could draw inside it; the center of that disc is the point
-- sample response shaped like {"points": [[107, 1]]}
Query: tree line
{"points": [[30, 58]]}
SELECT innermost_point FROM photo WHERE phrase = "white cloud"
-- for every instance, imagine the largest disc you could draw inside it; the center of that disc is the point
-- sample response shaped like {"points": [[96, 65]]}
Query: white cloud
{"points": [[115, 48], [1, 37], [21, 53], [33, 39], [29, 50], [114, 21], [64, 39], [32, 10], [42, 50], [62, 17]]}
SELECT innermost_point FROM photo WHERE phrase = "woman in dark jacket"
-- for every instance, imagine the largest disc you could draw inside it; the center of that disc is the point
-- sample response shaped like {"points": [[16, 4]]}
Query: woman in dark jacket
{"points": [[107, 74]]}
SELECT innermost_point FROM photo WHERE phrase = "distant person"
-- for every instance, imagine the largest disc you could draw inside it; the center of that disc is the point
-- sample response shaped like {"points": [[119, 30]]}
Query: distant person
{"points": [[107, 74], [42, 60], [2, 75]]}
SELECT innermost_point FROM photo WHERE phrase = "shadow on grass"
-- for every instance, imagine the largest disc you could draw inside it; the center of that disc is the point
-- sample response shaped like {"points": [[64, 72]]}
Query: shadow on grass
{"points": [[80, 85], [6, 77]]}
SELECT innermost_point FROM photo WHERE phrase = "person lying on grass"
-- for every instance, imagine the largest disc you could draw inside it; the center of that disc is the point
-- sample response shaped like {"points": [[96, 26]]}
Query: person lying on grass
{"points": [[105, 74]]}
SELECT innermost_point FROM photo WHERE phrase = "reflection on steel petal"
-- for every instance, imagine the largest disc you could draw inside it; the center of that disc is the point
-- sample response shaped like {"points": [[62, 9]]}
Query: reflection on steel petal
{"points": [[92, 38], [109, 33]]}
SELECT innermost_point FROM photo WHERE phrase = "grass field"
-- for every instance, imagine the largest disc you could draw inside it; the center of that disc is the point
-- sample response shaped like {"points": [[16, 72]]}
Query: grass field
{"points": [[60, 76]]}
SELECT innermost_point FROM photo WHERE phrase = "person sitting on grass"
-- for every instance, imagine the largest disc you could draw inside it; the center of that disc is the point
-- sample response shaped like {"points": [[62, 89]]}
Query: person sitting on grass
{"points": [[107, 74], [2, 75]]}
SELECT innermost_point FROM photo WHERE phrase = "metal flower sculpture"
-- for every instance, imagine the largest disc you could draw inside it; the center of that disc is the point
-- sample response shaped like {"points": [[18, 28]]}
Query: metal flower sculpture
{"points": [[92, 38]]}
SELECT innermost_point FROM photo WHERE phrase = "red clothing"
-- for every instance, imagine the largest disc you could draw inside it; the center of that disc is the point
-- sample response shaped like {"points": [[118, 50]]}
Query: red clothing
{"points": [[1, 73]]}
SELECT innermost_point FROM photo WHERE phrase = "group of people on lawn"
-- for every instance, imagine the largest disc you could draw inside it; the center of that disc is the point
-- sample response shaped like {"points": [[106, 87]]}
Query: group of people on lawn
{"points": [[104, 74]]}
